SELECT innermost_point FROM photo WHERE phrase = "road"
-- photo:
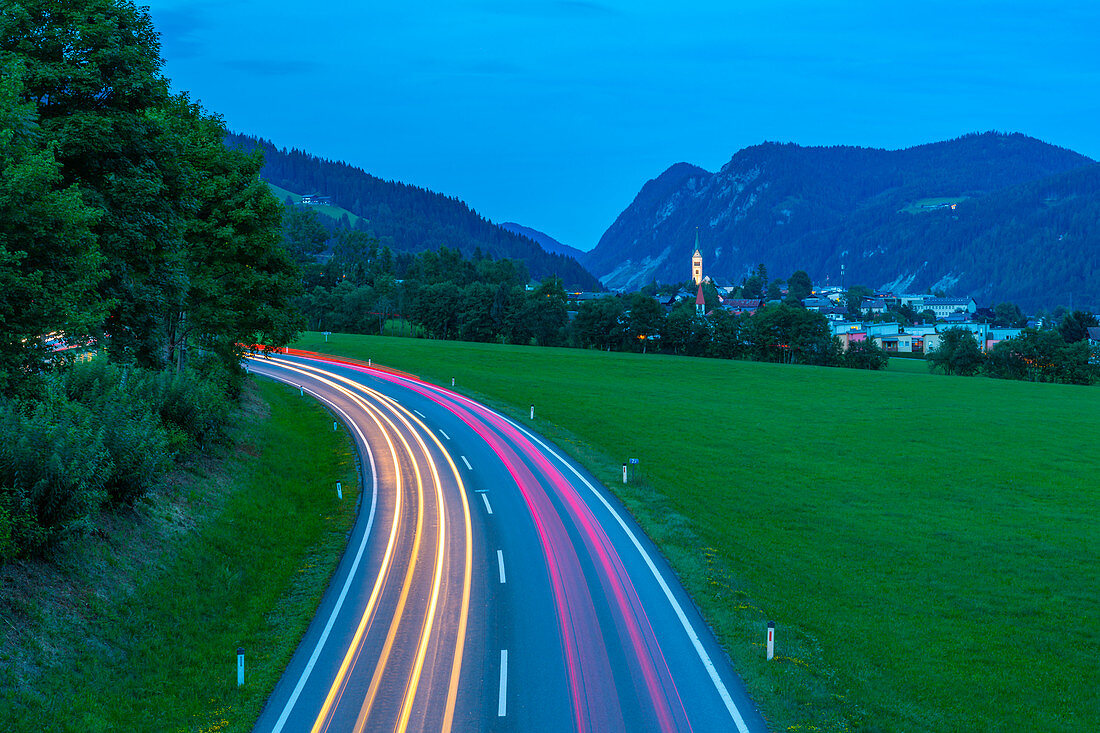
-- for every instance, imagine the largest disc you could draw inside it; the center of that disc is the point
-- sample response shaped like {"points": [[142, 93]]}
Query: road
{"points": [[490, 583]]}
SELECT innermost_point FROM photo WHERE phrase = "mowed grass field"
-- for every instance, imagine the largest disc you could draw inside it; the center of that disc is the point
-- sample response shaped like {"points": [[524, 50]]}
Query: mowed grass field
{"points": [[927, 545]]}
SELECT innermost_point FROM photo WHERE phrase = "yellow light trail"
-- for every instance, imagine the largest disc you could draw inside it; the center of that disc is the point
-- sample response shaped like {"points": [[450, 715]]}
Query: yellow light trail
{"points": [[337, 685], [429, 620], [387, 649]]}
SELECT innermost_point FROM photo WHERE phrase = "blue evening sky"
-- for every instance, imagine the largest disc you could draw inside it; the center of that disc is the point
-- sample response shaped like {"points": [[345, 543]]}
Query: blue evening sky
{"points": [[553, 113]]}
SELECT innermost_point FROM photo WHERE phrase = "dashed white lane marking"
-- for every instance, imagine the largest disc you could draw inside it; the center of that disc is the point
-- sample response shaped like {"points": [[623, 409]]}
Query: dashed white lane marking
{"points": [[485, 498], [418, 412], [467, 463], [500, 565], [444, 435], [502, 705]]}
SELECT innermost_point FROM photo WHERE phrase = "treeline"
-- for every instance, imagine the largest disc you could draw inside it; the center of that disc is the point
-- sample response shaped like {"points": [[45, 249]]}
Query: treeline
{"points": [[409, 218], [1062, 355], [127, 227], [446, 296]]}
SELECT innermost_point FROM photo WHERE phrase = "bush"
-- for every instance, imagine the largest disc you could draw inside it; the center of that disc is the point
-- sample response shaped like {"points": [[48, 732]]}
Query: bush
{"points": [[53, 465], [864, 354]]}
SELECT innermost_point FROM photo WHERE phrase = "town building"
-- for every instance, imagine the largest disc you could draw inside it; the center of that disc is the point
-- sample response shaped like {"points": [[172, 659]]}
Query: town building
{"points": [[944, 307]]}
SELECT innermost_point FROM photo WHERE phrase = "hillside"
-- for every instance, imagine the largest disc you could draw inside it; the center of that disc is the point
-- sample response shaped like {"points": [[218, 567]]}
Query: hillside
{"points": [[408, 218], [791, 207], [548, 243]]}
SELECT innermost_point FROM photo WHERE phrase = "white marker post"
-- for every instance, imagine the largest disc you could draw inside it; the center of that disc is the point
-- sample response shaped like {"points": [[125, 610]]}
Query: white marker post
{"points": [[771, 639], [368, 362], [334, 426], [624, 473], [301, 391], [532, 412], [452, 381], [240, 666], [339, 491]]}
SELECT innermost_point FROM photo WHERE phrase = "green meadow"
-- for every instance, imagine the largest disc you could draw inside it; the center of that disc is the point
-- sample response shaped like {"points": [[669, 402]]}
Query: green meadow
{"points": [[927, 545], [333, 212]]}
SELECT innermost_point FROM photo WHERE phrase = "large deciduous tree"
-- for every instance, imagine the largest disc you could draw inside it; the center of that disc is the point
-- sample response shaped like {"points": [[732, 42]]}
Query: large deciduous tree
{"points": [[92, 70], [49, 265], [958, 353]]}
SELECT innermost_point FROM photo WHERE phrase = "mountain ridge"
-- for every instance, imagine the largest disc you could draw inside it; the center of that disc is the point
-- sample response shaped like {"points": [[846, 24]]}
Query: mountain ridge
{"points": [[408, 218], [815, 208], [544, 240]]}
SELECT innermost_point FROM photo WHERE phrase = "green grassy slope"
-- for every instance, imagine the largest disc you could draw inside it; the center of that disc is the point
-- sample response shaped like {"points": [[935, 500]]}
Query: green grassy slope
{"points": [[927, 545], [139, 632], [332, 212]]}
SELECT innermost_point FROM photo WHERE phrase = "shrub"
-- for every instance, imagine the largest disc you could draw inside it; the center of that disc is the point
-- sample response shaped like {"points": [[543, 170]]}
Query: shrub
{"points": [[864, 354], [53, 461]]}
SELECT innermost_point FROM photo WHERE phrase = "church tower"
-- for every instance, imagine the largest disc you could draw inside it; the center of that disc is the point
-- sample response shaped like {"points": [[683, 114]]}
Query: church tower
{"points": [[697, 262]]}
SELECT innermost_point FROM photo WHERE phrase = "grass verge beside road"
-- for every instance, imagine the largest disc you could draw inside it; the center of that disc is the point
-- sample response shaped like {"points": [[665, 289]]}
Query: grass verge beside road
{"points": [[928, 546], [138, 630]]}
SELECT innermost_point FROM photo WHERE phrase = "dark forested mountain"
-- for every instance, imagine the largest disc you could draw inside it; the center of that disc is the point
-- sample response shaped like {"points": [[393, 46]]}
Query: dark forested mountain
{"points": [[548, 243], [408, 218], [1024, 226]]}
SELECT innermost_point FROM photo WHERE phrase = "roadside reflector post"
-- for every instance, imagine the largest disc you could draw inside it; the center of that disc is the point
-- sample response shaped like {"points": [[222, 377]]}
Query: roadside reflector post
{"points": [[240, 666], [334, 426], [452, 381], [771, 639], [301, 391], [624, 473], [532, 412], [368, 362], [339, 491]]}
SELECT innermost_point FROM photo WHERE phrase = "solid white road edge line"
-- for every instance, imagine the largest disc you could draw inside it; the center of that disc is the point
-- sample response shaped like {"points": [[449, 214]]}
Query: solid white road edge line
{"points": [[502, 704], [351, 572], [467, 463], [500, 564], [485, 498]]}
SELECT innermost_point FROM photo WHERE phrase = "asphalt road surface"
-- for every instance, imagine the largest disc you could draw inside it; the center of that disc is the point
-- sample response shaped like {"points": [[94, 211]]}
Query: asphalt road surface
{"points": [[490, 583]]}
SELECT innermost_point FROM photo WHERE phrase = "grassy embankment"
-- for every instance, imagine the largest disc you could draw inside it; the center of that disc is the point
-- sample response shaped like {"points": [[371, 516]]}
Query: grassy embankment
{"points": [[138, 630], [927, 545]]}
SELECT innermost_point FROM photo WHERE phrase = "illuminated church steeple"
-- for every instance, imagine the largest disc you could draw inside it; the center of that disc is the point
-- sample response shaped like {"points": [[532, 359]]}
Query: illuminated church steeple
{"points": [[697, 262]]}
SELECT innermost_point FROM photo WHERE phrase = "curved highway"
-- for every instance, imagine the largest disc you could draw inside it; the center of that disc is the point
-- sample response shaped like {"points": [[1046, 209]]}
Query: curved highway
{"points": [[490, 583]]}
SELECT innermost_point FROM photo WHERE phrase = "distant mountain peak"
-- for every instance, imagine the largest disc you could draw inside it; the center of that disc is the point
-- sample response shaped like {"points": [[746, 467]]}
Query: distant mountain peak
{"points": [[548, 243], [792, 207]]}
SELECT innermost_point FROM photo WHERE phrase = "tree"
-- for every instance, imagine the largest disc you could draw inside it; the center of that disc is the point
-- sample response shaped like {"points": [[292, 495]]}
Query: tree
{"points": [[597, 323], [958, 353], [476, 319], [304, 236], [865, 354], [1075, 326], [92, 70], [49, 264], [546, 312], [1008, 314], [853, 299], [642, 322], [240, 279], [792, 336], [728, 336], [799, 285]]}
